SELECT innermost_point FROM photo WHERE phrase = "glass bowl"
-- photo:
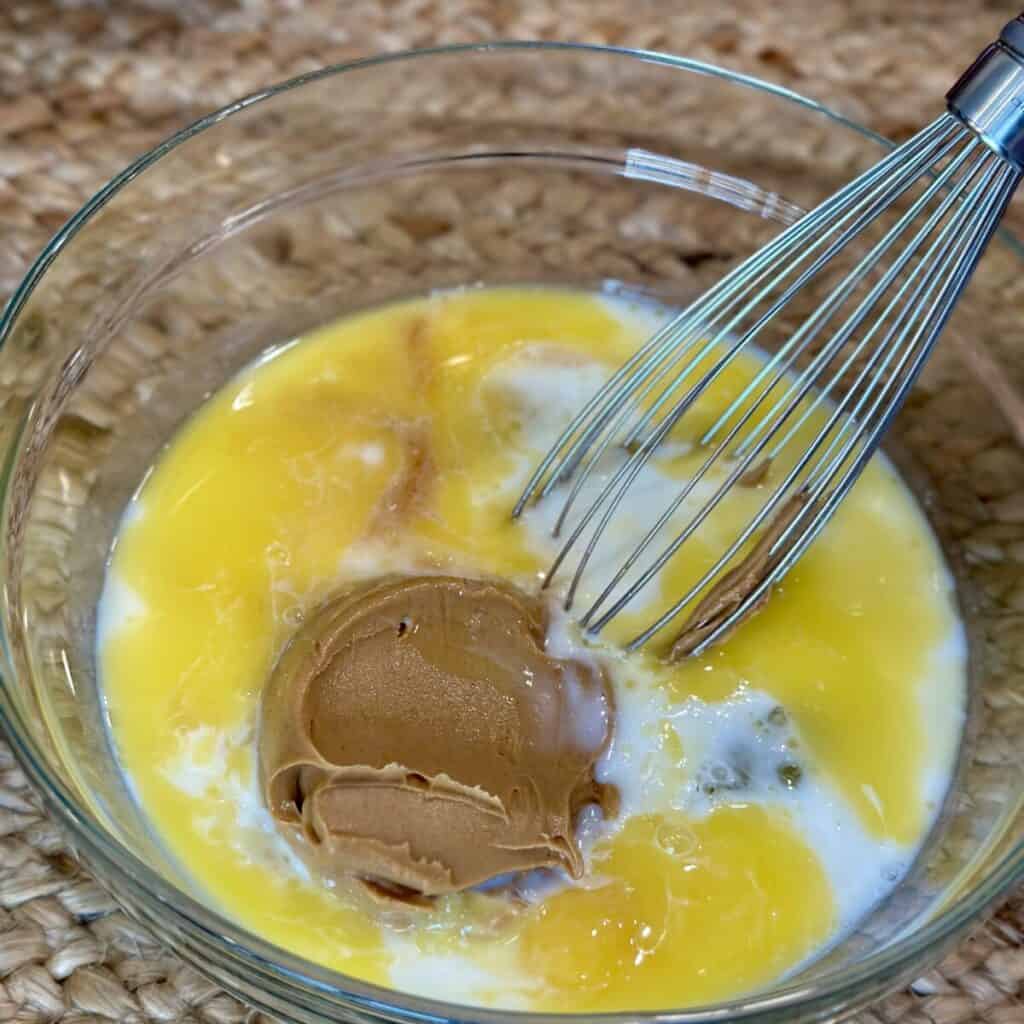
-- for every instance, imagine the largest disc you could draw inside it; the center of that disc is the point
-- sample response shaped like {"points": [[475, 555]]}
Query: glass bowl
{"points": [[508, 163]]}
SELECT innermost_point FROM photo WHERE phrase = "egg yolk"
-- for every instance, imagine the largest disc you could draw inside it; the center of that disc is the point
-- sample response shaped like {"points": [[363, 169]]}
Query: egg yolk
{"points": [[385, 429]]}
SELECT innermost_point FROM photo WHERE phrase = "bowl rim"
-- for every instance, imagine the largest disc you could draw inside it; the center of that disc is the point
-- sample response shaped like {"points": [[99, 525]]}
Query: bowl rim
{"points": [[838, 987]]}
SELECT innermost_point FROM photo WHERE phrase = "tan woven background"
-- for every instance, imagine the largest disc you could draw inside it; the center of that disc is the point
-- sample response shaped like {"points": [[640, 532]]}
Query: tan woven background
{"points": [[86, 86]]}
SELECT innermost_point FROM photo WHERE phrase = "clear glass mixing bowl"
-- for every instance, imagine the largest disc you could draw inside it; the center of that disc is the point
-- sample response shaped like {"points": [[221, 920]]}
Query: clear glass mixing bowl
{"points": [[549, 164]]}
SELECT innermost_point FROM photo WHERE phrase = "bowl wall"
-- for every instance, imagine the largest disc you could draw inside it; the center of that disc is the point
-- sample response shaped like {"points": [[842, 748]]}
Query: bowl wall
{"points": [[545, 165]]}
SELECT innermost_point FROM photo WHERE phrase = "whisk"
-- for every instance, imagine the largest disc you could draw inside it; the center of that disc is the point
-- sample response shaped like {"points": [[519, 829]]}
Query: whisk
{"points": [[877, 323]]}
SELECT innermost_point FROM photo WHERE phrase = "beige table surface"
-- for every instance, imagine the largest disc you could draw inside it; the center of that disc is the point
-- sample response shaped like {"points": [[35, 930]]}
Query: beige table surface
{"points": [[86, 86]]}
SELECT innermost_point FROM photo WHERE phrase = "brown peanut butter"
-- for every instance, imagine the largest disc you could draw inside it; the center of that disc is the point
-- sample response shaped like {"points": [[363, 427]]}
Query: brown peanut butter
{"points": [[416, 735], [727, 594]]}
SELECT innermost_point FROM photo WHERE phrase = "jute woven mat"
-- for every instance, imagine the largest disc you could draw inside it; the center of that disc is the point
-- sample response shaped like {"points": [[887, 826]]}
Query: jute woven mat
{"points": [[86, 86]]}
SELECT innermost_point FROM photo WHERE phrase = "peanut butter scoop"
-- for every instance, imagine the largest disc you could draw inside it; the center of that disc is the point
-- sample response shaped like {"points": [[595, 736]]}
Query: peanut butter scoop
{"points": [[416, 735]]}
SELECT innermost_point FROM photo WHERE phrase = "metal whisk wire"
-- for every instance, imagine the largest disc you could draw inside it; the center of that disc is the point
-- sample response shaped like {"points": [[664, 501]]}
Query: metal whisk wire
{"points": [[965, 166]]}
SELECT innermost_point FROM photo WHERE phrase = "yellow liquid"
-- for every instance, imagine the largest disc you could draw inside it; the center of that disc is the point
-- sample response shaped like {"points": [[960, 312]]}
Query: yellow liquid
{"points": [[387, 429]]}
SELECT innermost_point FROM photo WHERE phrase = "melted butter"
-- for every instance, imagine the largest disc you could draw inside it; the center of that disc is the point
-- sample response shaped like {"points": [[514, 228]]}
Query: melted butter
{"points": [[847, 660], [718, 881], [834, 644], [392, 429]]}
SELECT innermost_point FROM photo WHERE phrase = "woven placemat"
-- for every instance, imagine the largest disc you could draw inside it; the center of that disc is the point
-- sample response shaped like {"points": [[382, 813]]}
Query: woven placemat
{"points": [[85, 87]]}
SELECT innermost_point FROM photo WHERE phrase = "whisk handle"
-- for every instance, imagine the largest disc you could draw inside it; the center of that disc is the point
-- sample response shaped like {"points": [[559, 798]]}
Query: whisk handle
{"points": [[1013, 34], [989, 97]]}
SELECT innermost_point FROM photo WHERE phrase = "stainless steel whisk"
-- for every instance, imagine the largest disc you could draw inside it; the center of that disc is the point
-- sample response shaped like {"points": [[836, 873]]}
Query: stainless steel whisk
{"points": [[879, 323]]}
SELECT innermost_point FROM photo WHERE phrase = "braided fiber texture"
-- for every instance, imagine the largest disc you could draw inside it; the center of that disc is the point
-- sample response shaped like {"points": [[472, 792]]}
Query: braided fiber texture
{"points": [[86, 86]]}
